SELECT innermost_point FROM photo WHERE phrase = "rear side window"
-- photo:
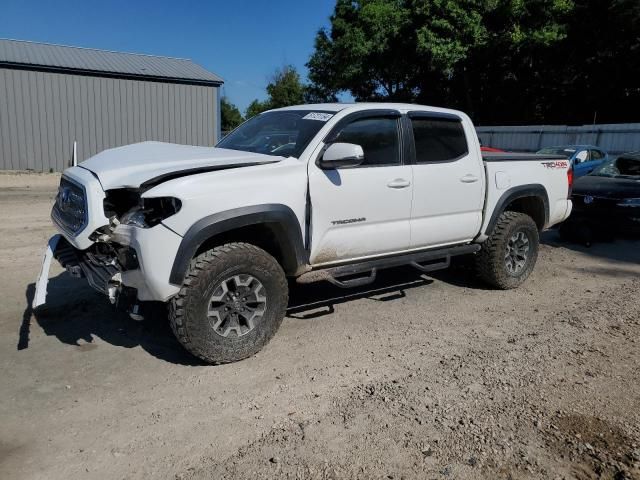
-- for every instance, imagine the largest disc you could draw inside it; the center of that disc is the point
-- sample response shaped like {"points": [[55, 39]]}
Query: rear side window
{"points": [[596, 155], [378, 137], [582, 156], [438, 139]]}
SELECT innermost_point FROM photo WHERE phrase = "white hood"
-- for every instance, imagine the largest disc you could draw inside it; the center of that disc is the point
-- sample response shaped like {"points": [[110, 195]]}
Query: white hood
{"points": [[133, 165]]}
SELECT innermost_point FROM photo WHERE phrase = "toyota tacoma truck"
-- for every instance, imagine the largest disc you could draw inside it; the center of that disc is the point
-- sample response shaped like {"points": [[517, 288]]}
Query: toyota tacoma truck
{"points": [[328, 192]]}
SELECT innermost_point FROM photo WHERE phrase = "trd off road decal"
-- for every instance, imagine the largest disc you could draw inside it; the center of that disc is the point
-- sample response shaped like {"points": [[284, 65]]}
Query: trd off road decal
{"points": [[556, 164]]}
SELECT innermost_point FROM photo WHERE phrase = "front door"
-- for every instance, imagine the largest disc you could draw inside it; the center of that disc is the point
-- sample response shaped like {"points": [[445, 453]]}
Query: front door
{"points": [[362, 211]]}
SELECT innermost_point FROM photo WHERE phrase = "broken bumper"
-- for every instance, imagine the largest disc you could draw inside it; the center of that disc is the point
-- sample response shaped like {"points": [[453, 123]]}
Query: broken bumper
{"points": [[156, 249], [42, 281], [137, 262]]}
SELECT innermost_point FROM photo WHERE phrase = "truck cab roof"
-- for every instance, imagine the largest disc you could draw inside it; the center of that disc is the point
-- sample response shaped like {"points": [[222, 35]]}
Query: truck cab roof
{"points": [[356, 106]]}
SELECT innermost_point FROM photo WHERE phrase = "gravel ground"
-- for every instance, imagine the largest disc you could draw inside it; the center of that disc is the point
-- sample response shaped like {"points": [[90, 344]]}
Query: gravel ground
{"points": [[414, 376]]}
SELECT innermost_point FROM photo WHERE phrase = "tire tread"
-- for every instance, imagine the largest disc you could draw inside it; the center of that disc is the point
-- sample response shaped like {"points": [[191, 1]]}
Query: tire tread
{"points": [[193, 280], [490, 265]]}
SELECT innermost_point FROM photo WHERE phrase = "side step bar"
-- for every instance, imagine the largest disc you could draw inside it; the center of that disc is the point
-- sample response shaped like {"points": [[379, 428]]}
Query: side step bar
{"points": [[425, 261]]}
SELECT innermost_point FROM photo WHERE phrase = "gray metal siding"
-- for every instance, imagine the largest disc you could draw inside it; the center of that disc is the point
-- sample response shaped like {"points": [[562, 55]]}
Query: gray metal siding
{"points": [[614, 138], [42, 113]]}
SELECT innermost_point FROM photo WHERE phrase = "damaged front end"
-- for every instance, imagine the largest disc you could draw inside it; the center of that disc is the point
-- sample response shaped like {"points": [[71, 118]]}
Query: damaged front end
{"points": [[113, 239], [102, 265], [128, 207]]}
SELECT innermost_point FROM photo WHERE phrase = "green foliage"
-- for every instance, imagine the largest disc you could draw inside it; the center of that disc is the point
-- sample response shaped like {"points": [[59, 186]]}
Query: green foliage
{"points": [[503, 61], [599, 61], [366, 52], [255, 108], [382, 48], [318, 94], [447, 30], [285, 88], [231, 116]]}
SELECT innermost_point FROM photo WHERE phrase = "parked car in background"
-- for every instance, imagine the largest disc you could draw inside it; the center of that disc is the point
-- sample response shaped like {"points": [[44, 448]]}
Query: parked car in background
{"points": [[584, 158], [606, 202], [490, 149], [484, 148]]}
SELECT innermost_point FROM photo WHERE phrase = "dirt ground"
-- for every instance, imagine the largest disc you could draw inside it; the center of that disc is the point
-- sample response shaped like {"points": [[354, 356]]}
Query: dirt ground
{"points": [[426, 377]]}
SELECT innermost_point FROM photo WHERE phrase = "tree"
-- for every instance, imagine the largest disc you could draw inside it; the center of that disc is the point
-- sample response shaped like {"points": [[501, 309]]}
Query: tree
{"points": [[600, 63], [318, 94], [231, 116], [386, 48], [510, 79], [503, 61], [255, 108], [285, 88]]}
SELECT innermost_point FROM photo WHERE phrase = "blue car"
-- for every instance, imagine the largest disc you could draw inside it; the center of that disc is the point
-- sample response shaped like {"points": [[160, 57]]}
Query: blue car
{"points": [[584, 158]]}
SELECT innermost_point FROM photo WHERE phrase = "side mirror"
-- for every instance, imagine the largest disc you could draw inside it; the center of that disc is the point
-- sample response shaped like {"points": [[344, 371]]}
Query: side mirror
{"points": [[339, 155]]}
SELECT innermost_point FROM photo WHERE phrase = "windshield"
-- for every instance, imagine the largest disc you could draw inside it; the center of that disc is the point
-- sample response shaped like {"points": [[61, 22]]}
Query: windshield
{"points": [[281, 133], [620, 167], [567, 152]]}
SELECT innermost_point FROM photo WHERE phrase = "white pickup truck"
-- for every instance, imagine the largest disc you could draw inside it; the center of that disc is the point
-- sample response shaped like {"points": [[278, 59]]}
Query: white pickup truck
{"points": [[328, 192]]}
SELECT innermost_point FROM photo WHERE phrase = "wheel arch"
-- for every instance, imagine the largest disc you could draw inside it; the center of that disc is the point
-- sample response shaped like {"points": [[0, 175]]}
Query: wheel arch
{"points": [[272, 227], [531, 199]]}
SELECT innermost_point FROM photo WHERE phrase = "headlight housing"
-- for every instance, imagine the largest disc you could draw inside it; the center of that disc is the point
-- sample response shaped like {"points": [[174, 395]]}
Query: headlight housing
{"points": [[126, 206], [70, 207], [151, 211], [629, 202]]}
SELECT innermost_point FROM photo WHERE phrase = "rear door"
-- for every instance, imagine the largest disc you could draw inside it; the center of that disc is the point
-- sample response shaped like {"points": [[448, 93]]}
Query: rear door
{"points": [[448, 180], [362, 211]]}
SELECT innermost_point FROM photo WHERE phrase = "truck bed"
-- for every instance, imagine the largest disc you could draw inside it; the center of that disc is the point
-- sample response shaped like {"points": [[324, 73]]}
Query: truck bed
{"points": [[518, 157]]}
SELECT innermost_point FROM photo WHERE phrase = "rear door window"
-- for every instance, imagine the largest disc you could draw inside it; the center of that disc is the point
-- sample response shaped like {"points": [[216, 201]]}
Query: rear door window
{"points": [[438, 139]]}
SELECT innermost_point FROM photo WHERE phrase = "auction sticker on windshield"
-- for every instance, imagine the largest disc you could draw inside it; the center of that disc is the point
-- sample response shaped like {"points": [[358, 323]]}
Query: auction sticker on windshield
{"points": [[323, 117]]}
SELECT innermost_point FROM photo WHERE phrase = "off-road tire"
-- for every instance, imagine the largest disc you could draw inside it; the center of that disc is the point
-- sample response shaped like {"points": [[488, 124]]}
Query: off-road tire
{"points": [[188, 309], [490, 261]]}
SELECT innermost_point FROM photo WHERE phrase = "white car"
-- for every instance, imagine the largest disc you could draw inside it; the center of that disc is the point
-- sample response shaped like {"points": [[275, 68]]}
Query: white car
{"points": [[329, 192]]}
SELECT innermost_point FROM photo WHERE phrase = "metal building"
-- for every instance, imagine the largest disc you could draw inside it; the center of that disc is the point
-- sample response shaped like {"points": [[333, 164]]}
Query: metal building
{"points": [[52, 96], [615, 138]]}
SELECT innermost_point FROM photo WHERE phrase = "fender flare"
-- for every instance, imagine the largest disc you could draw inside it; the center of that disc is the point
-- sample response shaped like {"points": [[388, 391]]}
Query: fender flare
{"points": [[280, 219], [514, 193]]}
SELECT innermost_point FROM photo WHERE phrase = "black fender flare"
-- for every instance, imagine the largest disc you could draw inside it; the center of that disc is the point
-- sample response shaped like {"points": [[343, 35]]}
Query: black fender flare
{"points": [[514, 193], [279, 218]]}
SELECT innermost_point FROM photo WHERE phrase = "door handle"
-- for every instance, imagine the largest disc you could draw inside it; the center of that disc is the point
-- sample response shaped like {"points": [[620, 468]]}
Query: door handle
{"points": [[399, 183], [469, 178]]}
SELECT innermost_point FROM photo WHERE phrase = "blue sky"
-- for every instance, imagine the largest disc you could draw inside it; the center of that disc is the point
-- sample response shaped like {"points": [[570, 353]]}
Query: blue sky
{"points": [[243, 41]]}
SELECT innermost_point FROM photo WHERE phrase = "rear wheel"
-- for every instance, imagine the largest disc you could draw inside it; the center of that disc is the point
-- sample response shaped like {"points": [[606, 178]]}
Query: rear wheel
{"points": [[232, 302], [509, 255]]}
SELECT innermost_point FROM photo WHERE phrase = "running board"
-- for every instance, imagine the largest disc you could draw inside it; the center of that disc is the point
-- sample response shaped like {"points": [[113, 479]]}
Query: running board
{"points": [[354, 282], [425, 261]]}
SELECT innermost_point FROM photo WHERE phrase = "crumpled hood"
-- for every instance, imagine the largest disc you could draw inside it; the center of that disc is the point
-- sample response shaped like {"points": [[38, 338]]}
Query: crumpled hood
{"points": [[149, 163]]}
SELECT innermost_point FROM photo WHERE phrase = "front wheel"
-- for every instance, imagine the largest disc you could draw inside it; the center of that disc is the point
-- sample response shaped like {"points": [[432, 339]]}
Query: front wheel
{"points": [[509, 255], [231, 303]]}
